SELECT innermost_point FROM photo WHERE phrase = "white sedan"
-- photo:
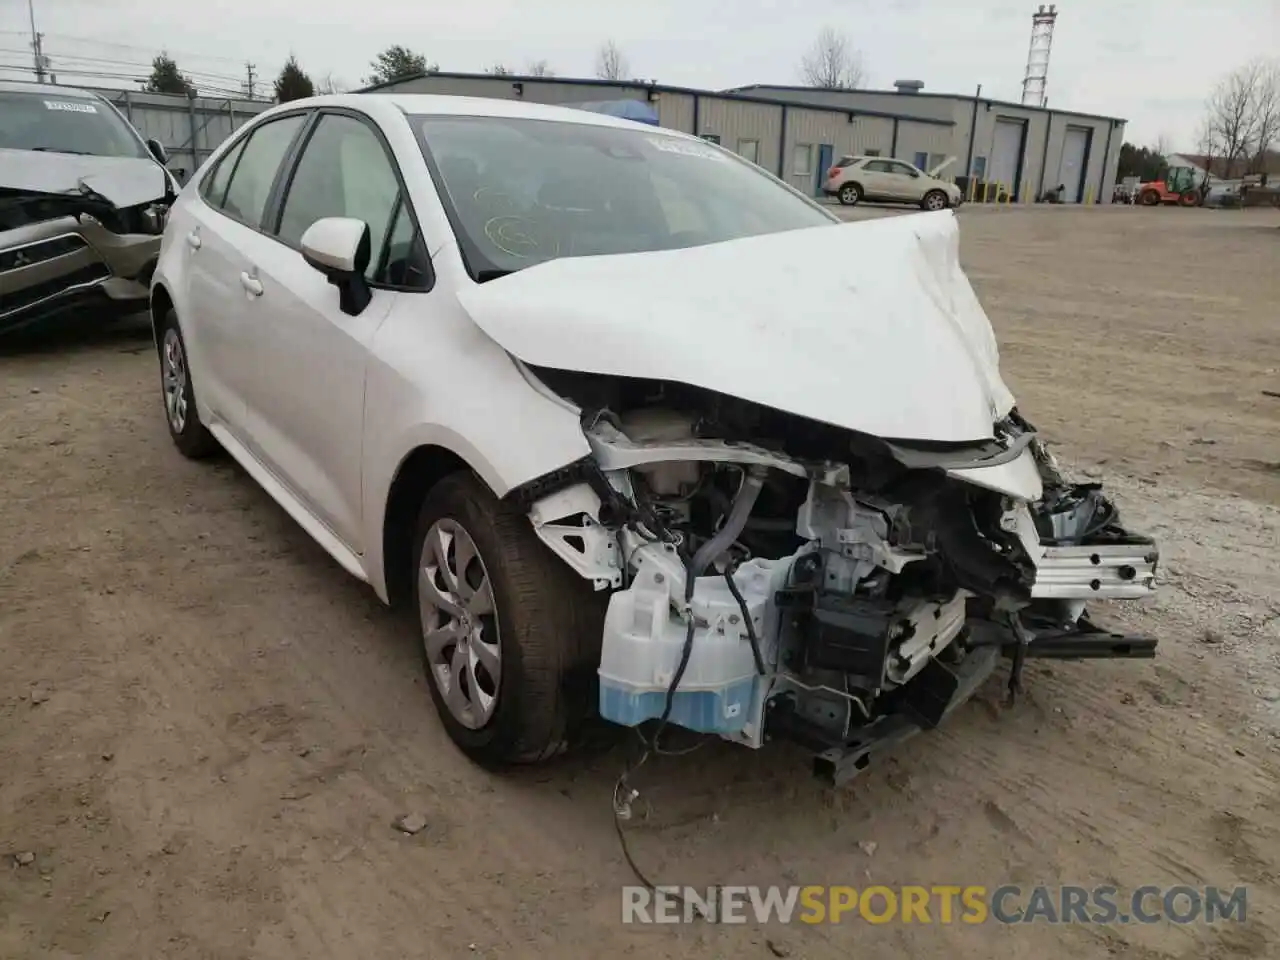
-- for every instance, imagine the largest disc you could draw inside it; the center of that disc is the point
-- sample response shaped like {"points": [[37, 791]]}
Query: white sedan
{"points": [[637, 429]]}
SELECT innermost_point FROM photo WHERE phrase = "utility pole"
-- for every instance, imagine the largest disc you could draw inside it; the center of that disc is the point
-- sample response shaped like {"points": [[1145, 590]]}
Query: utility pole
{"points": [[36, 50], [249, 68]]}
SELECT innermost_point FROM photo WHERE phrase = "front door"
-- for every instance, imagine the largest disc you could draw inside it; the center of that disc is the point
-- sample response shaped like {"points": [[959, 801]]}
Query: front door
{"points": [[304, 398], [905, 181], [826, 157]]}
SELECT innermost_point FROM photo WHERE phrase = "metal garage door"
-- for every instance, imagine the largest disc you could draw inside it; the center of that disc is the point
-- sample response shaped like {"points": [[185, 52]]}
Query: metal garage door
{"points": [[1075, 157], [1005, 153]]}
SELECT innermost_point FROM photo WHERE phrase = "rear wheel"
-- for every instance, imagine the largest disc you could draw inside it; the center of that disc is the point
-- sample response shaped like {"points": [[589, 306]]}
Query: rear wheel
{"points": [[1149, 198], [510, 635], [850, 194], [190, 436], [934, 200]]}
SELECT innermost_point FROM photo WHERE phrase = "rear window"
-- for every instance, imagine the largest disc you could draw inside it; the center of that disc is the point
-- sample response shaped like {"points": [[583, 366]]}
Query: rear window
{"points": [[56, 123], [847, 161]]}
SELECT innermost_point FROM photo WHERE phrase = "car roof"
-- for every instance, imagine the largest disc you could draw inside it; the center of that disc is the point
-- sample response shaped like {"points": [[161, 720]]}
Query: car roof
{"points": [[457, 106], [48, 89]]}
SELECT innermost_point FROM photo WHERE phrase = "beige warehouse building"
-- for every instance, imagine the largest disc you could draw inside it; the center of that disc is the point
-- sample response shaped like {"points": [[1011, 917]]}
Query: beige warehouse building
{"points": [[797, 132]]}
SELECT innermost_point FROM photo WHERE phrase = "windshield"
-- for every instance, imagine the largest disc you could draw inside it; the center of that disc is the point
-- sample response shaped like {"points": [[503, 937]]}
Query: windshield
{"points": [[62, 124], [520, 192]]}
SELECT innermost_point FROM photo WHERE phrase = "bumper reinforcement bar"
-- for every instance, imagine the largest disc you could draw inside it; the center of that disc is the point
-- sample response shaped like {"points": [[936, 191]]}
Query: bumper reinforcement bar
{"points": [[931, 696]]}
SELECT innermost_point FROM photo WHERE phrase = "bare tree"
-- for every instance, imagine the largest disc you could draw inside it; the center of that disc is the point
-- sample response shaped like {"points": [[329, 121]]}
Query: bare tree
{"points": [[539, 68], [498, 70], [832, 63], [1266, 115], [1232, 115], [1161, 147], [331, 84], [611, 64]]}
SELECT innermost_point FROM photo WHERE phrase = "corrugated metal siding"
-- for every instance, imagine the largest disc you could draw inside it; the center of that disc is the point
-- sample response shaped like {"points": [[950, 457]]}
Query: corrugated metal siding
{"points": [[936, 108], [1097, 187], [733, 121], [816, 127], [984, 138], [916, 138], [189, 129], [675, 112]]}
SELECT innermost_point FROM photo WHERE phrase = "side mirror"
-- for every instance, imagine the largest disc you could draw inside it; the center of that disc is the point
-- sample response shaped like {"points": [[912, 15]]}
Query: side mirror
{"points": [[157, 150], [339, 247]]}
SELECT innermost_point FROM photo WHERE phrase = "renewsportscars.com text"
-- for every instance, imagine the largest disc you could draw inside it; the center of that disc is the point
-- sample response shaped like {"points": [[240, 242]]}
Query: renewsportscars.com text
{"points": [[937, 904]]}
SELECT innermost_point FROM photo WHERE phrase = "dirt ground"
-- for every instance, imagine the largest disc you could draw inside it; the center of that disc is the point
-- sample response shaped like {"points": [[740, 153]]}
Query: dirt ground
{"points": [[207, 728]]}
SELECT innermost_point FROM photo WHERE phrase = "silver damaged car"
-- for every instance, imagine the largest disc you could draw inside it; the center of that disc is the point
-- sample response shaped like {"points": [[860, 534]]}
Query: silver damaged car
{"points": [[83, 201]]}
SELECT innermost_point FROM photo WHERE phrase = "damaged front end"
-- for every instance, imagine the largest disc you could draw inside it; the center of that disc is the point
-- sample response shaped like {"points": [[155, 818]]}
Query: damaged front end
{"points": [[98, 239], [773, 576]]}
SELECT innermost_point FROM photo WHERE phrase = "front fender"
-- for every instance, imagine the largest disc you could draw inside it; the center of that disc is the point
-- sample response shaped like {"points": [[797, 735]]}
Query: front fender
{"points": [[478, 405]]}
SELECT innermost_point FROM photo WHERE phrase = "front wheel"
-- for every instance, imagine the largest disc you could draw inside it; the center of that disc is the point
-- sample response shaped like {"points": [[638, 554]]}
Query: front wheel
{"points": [[510, 635], [850, 194], [934, 200]]}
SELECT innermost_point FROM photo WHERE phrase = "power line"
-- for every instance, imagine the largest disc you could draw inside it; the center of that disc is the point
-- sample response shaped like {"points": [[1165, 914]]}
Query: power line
{"points": [[134, 46], [69, 63]]}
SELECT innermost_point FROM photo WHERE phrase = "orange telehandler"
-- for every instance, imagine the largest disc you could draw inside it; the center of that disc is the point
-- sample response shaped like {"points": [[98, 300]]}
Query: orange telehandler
{"points": [[1179, 186]]}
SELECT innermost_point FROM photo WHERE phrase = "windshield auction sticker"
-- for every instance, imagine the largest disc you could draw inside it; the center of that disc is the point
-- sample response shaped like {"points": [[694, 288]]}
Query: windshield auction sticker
{"points": [[672, 145], [70, 106]]}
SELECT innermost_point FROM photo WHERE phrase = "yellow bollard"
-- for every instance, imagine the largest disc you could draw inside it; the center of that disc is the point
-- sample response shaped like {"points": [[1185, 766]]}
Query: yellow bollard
{"points": [[1008, 195], [986, 192], [973, 185], [1088, 194]]}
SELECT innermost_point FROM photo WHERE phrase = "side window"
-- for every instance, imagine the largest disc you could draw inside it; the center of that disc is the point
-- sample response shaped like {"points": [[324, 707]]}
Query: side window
{"points": [[406, 263], [903, 170], [876, 166], [256, 172], [214, 187], [343, 172]]}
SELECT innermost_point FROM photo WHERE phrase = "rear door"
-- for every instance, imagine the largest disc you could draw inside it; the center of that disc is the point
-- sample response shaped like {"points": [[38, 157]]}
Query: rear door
{"points": [[304, 390], [228, 216]]}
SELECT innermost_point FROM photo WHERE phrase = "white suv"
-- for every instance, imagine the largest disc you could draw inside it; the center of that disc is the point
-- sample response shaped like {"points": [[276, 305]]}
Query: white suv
{"points": [[854, 179]]}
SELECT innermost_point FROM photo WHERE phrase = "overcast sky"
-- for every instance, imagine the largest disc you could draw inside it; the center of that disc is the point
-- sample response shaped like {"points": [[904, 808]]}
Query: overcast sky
{"points": [[1149, 61]]}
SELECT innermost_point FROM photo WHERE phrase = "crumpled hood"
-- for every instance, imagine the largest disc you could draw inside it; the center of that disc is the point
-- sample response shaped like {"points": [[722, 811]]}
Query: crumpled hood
{"points": [[123, 181], [869, 326]]}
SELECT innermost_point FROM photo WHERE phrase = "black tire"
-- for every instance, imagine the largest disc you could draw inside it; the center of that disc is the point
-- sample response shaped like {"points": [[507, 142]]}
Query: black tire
{"points": [[190, 436], [924, 201], [1149, 198], [850, 194], [549, 623]]}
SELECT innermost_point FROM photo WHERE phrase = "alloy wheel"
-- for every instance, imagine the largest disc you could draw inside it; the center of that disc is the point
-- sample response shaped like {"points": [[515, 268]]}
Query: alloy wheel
{"points": [[174, 378], [459, 623], [935, 201]]}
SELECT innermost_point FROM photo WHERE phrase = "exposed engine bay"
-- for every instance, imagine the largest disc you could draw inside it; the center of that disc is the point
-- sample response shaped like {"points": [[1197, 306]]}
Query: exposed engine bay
{"points": [[19, 208], [776, 576]]}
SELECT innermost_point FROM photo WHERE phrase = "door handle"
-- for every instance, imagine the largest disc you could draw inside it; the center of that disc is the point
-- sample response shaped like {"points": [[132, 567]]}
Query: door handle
{"points": [[252, 285], [193, 240]]}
